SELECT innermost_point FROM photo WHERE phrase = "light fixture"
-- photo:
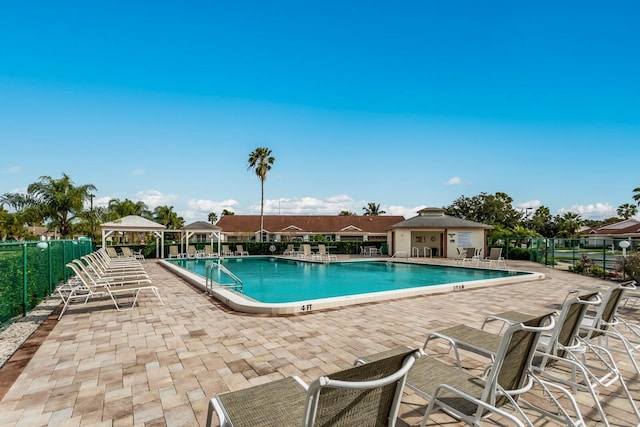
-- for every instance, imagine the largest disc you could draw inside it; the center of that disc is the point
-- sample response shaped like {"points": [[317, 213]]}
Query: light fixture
{"points": [[624, 245]]}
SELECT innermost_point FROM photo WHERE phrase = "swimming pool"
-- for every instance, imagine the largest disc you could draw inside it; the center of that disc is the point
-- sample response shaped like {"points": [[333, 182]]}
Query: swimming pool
{"points": [[284, 286]]}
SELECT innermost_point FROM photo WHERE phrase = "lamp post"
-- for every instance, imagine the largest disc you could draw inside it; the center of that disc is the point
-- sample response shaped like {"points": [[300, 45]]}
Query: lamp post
{"points": [[91, 196], [624, 245], [528, 213]]}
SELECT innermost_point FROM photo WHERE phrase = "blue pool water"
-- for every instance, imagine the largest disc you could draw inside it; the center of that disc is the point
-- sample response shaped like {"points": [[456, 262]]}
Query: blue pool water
{"points": [[275, 280]]}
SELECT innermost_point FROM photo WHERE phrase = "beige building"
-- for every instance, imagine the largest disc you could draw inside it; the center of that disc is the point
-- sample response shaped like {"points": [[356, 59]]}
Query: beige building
{"points": [[303, 227], [432, 232]]}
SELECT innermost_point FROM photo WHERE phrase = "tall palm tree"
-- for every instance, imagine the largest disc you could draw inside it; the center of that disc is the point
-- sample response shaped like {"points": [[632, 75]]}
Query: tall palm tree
{"points": [[627, 210], [56, 200], [213, 217], [260, 161], [372, 209]]}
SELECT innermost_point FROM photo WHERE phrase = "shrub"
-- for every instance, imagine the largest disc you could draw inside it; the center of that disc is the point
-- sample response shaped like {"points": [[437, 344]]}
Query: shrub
{"points": [[518, 253], [596, 271], [630, 266], [586, 266]]}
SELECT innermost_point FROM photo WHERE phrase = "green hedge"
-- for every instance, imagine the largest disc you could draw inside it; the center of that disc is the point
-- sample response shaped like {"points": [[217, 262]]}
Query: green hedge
{"points": [[29, 273], [264, 248]]}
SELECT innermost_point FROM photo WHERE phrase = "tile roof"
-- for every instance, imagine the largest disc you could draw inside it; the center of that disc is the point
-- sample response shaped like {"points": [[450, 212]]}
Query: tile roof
{"points": [[435, 218], [201, 226], [626, 227], [308, 223]]}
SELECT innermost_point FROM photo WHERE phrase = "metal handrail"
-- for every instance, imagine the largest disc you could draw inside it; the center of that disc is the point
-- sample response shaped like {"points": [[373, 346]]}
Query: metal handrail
{"points": [[210, 283]]}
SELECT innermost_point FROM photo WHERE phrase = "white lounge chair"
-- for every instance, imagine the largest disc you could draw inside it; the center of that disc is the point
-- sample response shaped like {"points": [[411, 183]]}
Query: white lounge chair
{"points": [[305, 251], [240, 250], [495, 258], [470, 255], [174, 252], [191, 251], [290, 251], [323, 254], [90, 287]]}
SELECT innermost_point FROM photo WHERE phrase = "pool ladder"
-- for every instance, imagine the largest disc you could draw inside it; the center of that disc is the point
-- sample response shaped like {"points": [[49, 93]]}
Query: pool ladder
{"points": [[210, 268]]}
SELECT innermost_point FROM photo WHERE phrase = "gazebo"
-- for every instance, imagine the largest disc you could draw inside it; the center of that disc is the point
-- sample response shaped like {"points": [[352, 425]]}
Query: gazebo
{"points": [[202, 227], [134, 224]]}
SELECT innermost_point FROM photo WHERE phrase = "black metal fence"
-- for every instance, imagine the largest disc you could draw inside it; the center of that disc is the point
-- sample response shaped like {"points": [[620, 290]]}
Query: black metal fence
{"points": [[598, 256]]}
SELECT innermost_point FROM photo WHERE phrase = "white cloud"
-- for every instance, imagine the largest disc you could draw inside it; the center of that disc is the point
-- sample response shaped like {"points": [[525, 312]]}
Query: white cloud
{"points": [[592, 211], [531, 204], [22, 190], [456, 180], [199, 209], [305, 206], [13, 169], [137, 172], [100, 202], [153, 198], [405, 211], [332, 205], [206, 206]]}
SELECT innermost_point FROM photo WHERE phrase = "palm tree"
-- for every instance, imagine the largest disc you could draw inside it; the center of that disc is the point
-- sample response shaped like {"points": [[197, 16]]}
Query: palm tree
{"points": [[636, 195], [260, 161], [627, 210], [166, 216], [213, 217], [372, 209], [121, 208], [56, 200], [570, 222]]}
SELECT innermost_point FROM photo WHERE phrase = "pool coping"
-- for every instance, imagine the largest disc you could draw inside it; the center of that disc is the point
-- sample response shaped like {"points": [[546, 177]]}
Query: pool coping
{"points": [[243, 304]]}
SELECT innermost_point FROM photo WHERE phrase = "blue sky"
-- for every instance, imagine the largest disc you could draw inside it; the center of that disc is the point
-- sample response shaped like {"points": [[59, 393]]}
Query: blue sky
{"points": [[406, 104]]}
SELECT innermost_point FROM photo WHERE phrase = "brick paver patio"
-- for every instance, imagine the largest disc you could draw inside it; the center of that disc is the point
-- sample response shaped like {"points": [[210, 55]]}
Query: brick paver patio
{"points": [[159, 365]]}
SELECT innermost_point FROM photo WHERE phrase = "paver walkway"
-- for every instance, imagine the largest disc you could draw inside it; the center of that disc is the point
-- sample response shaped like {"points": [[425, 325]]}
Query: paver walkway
{"points": [[159, 365]]}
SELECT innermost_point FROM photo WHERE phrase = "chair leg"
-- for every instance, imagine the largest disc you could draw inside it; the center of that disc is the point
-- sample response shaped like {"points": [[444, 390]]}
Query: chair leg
{"points": [[155, 291], [215, 405], [115, 301]]}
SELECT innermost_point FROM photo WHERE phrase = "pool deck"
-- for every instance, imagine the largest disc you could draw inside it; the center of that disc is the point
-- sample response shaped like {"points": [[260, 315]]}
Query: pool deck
{"points": [[159, 365]]}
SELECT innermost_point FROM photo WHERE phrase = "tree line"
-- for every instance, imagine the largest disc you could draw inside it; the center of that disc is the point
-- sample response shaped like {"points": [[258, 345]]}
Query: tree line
{"points": [[61, 206]]}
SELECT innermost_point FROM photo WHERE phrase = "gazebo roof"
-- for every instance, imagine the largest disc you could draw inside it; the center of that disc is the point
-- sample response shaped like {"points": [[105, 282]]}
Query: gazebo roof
{"points": [[201, 226], [132, 223]]}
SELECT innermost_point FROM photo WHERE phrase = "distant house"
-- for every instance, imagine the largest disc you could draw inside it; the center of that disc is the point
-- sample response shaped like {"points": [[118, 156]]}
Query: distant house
{"points": [[442, 234], [603, 235], [43, 232], [304, 227]]}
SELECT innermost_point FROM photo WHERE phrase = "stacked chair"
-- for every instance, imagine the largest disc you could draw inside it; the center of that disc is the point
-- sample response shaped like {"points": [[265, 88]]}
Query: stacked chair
{"points": [[98, 274]]}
